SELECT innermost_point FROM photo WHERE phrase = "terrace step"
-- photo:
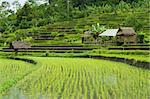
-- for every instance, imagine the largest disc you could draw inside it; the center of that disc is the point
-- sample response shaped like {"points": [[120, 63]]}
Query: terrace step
{"points": [[50, 48], [60, 46], [137, 45], [130, 48], [44, 38], [51, 51]]}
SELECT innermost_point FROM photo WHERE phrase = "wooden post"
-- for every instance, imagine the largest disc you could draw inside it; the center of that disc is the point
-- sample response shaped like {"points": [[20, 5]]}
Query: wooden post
{"points": [[16, 51]]}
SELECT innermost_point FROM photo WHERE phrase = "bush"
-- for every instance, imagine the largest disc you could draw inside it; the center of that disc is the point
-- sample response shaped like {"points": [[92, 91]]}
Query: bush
{"points": [[132, 21]]}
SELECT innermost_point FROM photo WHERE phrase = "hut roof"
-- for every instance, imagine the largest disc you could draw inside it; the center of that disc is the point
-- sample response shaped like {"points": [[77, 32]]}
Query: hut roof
{"points": [[20, 44], [121, 31], [126, 31], [109, 32], [88, 32]]}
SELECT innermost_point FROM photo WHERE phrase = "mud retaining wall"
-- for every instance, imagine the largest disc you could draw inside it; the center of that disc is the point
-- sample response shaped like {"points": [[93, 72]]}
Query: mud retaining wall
{"points": [[23, 59], [139, 64]]}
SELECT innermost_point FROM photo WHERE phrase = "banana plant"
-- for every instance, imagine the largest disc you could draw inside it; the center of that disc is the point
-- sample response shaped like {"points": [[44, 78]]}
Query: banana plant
{"points": [[97, 29]]}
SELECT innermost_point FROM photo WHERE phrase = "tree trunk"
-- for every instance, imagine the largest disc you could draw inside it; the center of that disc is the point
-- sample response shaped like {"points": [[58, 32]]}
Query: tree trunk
{"points": [[49, 1]]}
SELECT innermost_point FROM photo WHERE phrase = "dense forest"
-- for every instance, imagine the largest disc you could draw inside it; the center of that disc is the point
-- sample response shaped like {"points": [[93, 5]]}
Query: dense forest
{"points": [[33, 14]]}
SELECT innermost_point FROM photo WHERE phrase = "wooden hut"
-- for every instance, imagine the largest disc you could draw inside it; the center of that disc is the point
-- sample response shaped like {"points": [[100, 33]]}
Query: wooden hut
{"points": [[20, 45], [123, 35], [87, 37], [126, 35]]}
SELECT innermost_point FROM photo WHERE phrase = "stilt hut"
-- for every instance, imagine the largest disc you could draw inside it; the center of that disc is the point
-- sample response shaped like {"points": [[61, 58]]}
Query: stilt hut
{"points": [[20, 45]]}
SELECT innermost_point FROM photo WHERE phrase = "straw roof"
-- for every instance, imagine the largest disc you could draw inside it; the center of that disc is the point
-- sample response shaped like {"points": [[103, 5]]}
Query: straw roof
{"points": [[123, 31], [20, 44], [126, 31], [87, 33]]}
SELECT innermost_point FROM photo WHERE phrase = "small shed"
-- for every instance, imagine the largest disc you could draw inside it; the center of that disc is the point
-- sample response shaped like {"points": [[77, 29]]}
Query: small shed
{"points": [[126, 35], [20, 45], [87, 36], [123, 35]]}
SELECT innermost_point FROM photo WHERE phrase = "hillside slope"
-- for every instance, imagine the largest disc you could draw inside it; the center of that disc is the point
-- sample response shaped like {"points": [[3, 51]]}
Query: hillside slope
{"points": [[70, 32]]}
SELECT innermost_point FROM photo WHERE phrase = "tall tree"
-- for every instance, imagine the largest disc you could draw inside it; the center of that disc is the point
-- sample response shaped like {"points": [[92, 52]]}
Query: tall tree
{"points": [[24, 16]]}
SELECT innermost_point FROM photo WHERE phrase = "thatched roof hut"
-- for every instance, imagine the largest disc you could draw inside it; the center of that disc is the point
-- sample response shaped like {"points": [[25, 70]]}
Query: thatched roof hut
{"points": [[20, 45], [86, 37], [124, 35], [123, 31]]}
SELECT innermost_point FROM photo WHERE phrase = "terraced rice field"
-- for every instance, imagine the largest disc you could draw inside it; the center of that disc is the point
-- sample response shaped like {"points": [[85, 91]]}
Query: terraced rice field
{"points": [[74, 78], [11, 71]]}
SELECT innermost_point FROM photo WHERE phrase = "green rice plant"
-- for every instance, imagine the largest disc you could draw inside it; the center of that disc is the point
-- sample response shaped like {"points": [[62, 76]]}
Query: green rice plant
{"points": [[11, 71], [142, 58], [74, 78]]}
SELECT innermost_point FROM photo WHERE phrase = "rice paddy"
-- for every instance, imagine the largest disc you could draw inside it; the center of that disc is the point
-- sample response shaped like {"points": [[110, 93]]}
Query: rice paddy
{"points": [[72, 78]]}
